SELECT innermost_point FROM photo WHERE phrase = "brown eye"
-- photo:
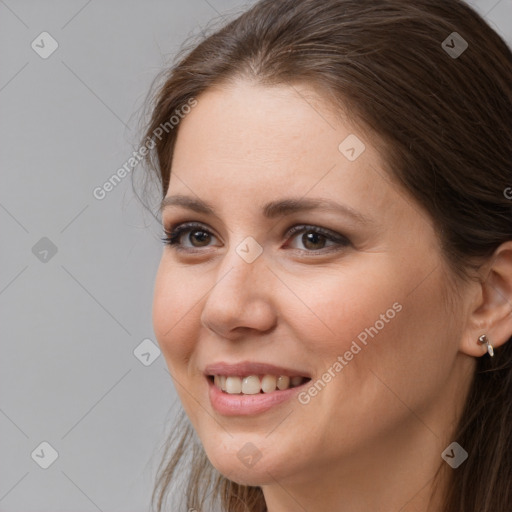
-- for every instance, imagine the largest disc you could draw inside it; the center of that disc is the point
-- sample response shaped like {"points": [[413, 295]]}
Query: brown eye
{"points": [[312, 240], [203, 237], [188, 236], [315, 238]]}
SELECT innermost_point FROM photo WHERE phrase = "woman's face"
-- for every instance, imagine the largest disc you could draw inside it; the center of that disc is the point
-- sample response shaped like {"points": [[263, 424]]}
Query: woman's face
{"points": [[352, 300]]}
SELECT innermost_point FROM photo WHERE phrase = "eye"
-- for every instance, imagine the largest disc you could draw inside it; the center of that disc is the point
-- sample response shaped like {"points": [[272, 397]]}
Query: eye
{"points": [[315, 238], [198, 236]]}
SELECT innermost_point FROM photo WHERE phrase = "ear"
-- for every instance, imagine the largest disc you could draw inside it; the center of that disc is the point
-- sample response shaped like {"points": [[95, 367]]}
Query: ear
{"points": [[491, 310]]}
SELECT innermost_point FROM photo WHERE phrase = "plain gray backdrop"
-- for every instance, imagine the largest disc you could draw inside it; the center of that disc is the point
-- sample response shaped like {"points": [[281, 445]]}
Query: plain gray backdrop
{"points": [[79, 367]]}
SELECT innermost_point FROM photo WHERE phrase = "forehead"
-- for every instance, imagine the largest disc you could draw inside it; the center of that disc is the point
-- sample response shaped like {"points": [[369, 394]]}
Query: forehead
{"points": [[245, 128], [250, 144], [244, 119]]}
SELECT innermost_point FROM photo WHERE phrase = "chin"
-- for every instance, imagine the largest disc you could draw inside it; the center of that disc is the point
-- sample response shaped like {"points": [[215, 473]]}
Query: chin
{"points": [[243, 463]]}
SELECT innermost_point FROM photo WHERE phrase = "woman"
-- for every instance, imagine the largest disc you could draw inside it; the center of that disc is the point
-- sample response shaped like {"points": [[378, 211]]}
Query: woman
{"points": [[334, 300]]}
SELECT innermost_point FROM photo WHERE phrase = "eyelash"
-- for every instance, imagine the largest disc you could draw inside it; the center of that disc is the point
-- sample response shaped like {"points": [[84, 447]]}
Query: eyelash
{"points": [[174, 234]]}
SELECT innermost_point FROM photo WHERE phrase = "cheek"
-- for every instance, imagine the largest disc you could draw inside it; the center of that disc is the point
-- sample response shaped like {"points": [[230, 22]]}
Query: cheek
{"points": [[334, 308], [390, 325], [175, 314]]}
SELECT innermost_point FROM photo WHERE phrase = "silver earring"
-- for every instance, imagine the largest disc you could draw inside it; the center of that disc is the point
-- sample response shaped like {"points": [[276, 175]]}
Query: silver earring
{"points": [[484, 339]]}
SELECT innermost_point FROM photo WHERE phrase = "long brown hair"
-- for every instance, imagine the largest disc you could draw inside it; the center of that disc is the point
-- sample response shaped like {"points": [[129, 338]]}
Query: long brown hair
{"points": [[445, 123]]}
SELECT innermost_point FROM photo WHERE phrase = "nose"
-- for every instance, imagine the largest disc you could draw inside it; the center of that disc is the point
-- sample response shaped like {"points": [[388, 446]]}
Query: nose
{"points": [[241, 298]]}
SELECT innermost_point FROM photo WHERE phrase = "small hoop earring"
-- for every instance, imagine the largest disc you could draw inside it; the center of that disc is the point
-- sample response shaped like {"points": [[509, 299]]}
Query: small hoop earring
{"points": [[484, 339]]}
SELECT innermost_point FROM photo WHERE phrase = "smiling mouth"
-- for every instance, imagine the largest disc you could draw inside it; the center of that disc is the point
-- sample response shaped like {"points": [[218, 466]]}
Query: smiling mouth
{"points": [[255, 384]]}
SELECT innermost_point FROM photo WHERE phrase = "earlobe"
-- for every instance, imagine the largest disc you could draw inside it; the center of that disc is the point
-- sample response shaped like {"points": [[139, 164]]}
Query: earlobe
{"points": [[490, 322]]}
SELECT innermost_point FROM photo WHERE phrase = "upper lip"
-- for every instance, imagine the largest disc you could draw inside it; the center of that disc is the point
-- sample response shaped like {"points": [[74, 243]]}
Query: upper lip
{"points": [[247, 368]]}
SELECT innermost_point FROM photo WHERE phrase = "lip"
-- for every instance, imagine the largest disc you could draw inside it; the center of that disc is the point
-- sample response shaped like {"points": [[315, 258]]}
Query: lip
{"points": [[246, 368], [246, 405]]}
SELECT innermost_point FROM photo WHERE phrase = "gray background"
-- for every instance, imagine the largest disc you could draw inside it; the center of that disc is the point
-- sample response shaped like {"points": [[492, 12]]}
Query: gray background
{"points": [[70, 321]]}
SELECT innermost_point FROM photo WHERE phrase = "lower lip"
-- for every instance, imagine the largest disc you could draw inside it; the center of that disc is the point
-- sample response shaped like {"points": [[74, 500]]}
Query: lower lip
{"points": [[245, 405]]}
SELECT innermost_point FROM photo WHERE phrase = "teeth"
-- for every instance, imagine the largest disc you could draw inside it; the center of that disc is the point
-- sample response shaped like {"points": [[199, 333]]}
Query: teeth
{"points": [[233, 385], [220, 381], [268, 383], [252, 384], [283, 382], [295, 381]]}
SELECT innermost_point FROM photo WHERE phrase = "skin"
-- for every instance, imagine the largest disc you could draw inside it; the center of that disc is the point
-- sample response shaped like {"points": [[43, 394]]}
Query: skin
{"points": [[372, 438]]}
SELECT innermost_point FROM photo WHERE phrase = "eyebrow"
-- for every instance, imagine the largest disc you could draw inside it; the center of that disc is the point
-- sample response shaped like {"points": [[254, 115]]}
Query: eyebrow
{"points": [[272, 209]]}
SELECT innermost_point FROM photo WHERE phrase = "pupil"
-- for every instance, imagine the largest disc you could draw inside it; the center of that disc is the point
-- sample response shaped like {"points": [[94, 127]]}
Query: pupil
{"points": [[312, 238], [201, 236]]}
